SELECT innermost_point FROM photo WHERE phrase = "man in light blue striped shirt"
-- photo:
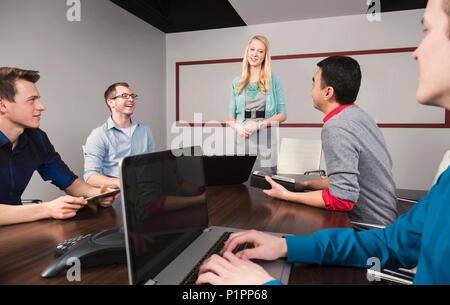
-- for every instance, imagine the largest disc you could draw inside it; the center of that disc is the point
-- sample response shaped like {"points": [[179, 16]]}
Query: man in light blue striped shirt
{"points": [[118, 137]]}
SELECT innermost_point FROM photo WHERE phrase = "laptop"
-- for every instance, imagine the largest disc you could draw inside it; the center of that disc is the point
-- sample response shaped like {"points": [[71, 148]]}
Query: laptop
{"points": [[165, 214], [224, 170]]}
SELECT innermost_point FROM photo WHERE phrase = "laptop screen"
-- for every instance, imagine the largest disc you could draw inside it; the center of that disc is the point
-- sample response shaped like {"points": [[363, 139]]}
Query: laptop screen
{"points": [[228, 169], [164, 206]]}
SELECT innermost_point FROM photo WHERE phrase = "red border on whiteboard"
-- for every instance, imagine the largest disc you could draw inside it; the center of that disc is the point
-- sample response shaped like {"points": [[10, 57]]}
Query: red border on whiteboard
{"points": [[445, 124]]}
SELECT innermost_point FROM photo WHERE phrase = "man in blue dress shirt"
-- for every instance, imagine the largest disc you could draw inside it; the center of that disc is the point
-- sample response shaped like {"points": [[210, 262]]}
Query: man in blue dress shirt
{"points": [[24, 148], [118, 137], [418, 238]]}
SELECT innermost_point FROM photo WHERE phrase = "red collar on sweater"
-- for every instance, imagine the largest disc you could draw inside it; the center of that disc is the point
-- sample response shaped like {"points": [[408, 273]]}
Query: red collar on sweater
{"points": [[336, 111]]}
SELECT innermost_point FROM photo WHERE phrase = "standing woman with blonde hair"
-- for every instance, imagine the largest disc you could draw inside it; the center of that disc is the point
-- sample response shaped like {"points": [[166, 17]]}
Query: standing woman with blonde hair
{"points": [[257, 104]]}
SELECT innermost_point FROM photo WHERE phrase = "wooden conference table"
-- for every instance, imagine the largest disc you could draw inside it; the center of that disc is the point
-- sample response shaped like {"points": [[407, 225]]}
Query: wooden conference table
{"points": [[27, 249]]}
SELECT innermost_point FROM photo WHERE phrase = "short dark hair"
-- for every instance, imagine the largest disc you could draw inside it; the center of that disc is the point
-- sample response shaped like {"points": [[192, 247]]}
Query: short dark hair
{"points": [[8, 78], [111, 91], [344, 75]]}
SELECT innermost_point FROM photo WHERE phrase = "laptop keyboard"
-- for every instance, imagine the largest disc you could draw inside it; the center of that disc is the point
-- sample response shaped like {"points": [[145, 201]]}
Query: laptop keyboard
{"points": [[192, 276]]}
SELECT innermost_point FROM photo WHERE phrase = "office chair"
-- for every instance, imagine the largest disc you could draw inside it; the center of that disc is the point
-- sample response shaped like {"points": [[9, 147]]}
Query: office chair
{"points": [[26, 201], [361, 226], [445, 162]]}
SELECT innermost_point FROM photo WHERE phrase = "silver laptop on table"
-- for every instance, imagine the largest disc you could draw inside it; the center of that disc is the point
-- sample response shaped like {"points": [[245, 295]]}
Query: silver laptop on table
{"points": [[166, 219]]}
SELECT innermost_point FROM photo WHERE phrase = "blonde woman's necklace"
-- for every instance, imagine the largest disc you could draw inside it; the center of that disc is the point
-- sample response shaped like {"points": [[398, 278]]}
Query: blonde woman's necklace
{"points": [[253, 91]]}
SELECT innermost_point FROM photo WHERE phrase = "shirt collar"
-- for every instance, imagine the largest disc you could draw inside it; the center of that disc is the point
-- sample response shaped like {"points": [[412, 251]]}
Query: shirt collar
{"points": [[336, 111], [3, 139], [110, 123], [23, 139]]}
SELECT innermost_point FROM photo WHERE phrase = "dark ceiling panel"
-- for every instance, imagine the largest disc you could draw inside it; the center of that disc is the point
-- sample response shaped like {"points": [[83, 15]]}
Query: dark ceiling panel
{"points": [[154, 12], [402, 5], [171, 16]]}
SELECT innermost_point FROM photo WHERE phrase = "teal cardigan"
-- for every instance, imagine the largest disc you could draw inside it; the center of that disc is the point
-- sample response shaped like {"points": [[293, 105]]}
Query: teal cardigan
{"points": [[274, 100]]}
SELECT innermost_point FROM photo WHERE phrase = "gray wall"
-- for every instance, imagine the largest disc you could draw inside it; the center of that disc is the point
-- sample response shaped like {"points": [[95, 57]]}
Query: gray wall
{"points": [[78, 61], [416, 152]]}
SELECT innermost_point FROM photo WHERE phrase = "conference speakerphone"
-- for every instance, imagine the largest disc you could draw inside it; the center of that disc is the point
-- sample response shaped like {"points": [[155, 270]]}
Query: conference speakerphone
{"points": [[258, 180], [103, 248]]}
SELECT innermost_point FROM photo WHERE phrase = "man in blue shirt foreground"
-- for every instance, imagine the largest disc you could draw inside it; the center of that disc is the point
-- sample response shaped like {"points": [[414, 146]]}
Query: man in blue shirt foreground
{"points": [[418, 238], [119, 137], [25, 148]]}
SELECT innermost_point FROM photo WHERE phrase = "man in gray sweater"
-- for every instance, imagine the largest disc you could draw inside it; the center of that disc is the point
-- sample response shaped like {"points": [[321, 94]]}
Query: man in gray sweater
{"points": [[358, 163]]}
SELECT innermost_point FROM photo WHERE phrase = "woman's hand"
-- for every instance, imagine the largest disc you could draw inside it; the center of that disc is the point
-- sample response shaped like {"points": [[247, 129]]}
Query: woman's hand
{"points": [[242, 130], [252, 126]]}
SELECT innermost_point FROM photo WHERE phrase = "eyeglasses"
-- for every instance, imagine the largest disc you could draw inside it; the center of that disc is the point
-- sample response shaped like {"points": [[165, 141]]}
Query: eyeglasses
{"points": [[126, 96]]}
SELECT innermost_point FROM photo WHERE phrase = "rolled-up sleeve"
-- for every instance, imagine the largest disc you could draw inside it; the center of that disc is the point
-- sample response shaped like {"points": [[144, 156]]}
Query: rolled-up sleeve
{"points": [[342, 157], [151, 141], [281, 104], [94, 154], [336, 204], [232, 109], [53, 167]]}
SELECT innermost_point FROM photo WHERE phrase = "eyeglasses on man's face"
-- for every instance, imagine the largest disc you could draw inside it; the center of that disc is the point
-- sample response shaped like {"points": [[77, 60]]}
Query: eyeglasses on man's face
{"points": [[126, 96]]}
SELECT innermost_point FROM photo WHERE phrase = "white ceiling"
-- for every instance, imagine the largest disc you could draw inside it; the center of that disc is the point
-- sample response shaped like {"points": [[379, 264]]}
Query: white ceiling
{"points": [[269, 11]]}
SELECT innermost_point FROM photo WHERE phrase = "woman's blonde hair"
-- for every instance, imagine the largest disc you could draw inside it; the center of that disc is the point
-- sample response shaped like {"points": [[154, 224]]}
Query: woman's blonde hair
{"points": [[264, 75]]}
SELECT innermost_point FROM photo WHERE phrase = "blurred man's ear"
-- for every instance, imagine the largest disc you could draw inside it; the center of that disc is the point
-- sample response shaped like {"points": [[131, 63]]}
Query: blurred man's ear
{"points": [[2, 105], [109, 103]]}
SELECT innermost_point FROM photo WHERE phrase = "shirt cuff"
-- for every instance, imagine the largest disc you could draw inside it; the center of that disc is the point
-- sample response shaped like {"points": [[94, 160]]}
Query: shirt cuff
{"points": [[88, 175], [335, 204], [66, 181], [273, 282]]}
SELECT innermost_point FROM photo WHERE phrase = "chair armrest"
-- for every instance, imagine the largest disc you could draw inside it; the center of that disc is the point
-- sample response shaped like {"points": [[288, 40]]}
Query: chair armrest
{"points": [[360, 226], [321, 172], [407, 200], [31, 201]]}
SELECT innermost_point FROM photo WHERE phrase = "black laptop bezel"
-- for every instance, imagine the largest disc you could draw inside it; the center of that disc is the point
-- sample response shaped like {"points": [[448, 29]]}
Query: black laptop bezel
{"points": [[193, 151]]}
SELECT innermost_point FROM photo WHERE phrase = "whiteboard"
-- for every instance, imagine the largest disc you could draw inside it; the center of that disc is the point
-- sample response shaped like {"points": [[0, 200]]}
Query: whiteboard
{"points": [[387, 93]]}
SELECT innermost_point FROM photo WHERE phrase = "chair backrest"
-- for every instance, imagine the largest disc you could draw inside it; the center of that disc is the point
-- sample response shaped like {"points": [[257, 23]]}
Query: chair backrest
{"points": [[443, 166], [299, 155]]}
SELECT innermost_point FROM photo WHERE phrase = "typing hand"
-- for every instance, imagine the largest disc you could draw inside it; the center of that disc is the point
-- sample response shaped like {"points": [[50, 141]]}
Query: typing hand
{"points": [[229, 269], [64, 207], [277, 190], [106, 201], [266, 246]]}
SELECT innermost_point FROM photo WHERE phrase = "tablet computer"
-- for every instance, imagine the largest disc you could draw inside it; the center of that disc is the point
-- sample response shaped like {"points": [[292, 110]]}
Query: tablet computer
{"points": [[107, 194]]}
